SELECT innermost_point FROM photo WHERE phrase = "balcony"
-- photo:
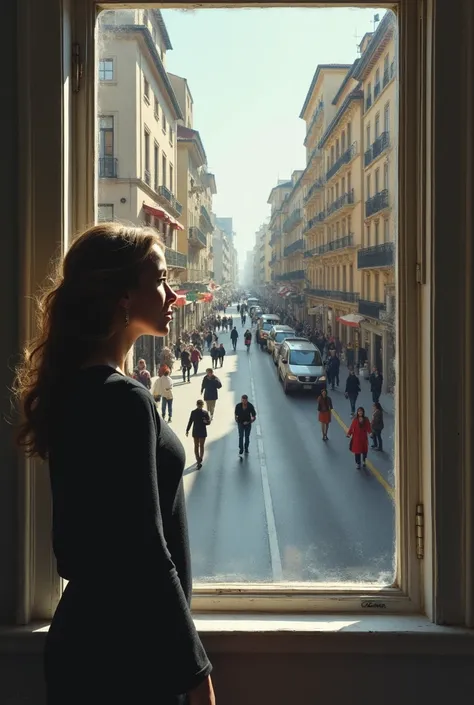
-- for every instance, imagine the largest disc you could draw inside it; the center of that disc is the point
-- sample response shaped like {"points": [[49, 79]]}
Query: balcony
{"points": [[347, 199], [294, 219], [206, 218], [178, 207], [318, 219], [166, 194], [175, 260], [108, 167], [371, 309], [345, 158], [377, 203], [338, 244], [291, 276], [336, 295], [276, 235], [376, 148], [315, 188], [376, 256], [197, 238], [294, 247]]}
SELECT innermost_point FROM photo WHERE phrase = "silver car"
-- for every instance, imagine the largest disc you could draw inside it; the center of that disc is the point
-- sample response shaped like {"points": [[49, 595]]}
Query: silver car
{"points": [[275, 338], [300, 366]]}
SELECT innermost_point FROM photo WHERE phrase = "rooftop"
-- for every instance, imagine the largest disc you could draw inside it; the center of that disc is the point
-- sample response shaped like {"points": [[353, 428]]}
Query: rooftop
{"points": [[317, 73]]}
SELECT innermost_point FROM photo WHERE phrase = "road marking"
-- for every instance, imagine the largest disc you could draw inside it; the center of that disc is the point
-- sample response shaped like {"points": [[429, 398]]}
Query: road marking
{"points": [[376, 473], [277, 569]]}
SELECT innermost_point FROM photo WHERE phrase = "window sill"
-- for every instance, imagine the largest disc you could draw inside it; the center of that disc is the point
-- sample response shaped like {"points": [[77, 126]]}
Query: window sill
{"points": [[357, 634]]}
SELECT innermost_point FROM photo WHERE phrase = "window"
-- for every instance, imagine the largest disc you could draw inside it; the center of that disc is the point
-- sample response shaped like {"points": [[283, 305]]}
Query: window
{"points": [[385, 175], [156, 109], [343, 142], [376, 235], [107, 161], [146, 89], [368, 186], [146, 147], [105, 212], [164, 123], [386, 118], [171, 135], [367, 136], [171, 178], [377, 126], [377, 181], [106, 70], [155, 166], [386, 230], [163, 168], [367, 235]]}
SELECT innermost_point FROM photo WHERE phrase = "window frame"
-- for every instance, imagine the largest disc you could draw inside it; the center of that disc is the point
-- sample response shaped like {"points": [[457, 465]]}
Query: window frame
{"points": [[110, 59], [105, 205], [443, 571]]}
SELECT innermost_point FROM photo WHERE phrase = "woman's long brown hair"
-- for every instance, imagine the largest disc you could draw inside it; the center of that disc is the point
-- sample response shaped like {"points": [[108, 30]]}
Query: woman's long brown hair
{"points": [[76, 313]]}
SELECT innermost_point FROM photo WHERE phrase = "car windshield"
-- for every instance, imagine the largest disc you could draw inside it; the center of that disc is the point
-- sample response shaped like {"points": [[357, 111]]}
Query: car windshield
{"points": [[305, 357], [280, 337], [268, 325]]}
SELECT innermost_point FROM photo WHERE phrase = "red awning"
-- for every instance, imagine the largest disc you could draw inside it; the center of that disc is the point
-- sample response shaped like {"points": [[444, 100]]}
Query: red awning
{"points": [[163, 215]]}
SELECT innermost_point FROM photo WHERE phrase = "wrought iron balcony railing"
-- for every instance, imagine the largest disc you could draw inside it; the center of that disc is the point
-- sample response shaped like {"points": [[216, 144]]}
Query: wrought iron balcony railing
{"points": [[370, 308], [294, 247], [376, 203], [376, 148], [335, 295], [108, 167], [176, 259], [345, 158], [376, 256]]}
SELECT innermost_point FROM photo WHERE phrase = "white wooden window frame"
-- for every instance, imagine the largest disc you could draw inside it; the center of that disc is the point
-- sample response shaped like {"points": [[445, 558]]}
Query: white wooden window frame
{"points": [[60, 160]]}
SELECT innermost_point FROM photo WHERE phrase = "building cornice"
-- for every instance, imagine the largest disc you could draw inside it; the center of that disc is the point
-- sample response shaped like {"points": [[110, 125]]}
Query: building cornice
{"points": [[319, 69], [356, 94], [164, 32], [382, 35], [144, 35], [349, 75], [188, 136]]}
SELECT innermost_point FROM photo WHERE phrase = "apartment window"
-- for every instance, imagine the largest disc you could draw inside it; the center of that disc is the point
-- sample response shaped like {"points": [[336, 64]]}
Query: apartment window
{"points": [[349, 181], [377, 126], [146, 89], [367, 235], [171, 177], [368, 186], [386, 118], [376, 234], [376, 286], [171, 135], [343, 226], [367, 136], [107, 161], [386, 67], [385, 175], [106, 70], [105, 212], [147, 156], [156, 109], [377, 83], [165, 124], [337, 149], [386, 230], [156, 152], [377, 180], [163, 168], [332, 155]]}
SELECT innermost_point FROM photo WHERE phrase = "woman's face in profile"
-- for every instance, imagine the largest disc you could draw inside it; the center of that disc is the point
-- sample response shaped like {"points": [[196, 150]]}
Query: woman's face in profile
{"points": [[151, 302]]}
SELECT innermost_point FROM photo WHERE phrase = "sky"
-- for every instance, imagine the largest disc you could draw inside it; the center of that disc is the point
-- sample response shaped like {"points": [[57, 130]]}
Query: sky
{"points": [[249, 71]]}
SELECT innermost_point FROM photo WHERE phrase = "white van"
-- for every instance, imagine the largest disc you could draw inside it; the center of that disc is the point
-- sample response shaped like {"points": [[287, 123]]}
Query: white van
{"points": [[264, 326], [300, 366]]}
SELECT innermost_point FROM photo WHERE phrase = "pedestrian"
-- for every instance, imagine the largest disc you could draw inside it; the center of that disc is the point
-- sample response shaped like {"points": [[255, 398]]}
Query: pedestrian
{"points": [[221, 353], [210, 386], [332, 368], [167, 359], [209, 340], [358, 433], [247, 339], [352, 389], [199, 420], [142, 375], [377, 427], [234, 337], [376, 382], [238, 308], [126, 515], [163, 388], [186, 364], [324, 409], [243, 319], [214, 355], [196, 357], [245, 415]]}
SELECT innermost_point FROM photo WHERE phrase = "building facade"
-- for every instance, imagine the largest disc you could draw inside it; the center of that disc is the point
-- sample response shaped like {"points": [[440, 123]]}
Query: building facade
{"points": [[292, 247], [277, 201]]}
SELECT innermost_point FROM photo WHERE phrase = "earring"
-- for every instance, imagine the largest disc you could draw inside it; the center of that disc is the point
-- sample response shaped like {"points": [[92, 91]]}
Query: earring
{"points": [[127, 317]]}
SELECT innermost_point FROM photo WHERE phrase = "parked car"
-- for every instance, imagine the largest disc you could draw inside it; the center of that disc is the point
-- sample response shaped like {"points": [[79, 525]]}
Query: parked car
{"points": [[264, 326], [276, 336], [300, 366]]}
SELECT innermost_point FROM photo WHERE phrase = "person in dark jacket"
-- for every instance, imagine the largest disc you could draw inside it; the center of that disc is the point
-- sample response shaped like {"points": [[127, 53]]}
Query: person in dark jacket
{"points": [[352, 389], [199, 420], [377, 426], [214, 355], [210, 385], [221, 353], [376, 382], [186, 363], [332, 368], [234, 336], [245, 415]]}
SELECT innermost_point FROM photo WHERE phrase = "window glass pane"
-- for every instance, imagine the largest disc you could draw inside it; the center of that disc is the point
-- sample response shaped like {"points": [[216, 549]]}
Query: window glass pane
{"points": [[311, 222]]}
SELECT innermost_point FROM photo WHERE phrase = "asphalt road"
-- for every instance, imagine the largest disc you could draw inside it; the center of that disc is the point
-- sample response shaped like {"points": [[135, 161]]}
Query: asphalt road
{"points": [[295, 509]]}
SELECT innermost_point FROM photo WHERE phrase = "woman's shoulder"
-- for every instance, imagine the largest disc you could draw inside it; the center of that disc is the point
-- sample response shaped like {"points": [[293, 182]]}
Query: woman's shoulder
{"points": [[127, 390]]}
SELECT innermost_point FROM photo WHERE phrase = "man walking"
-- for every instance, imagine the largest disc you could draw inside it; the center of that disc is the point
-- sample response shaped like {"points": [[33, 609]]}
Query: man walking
{"points": [[196, 358], [245, 415], [210, 385], [199, 419], [233, 336]]}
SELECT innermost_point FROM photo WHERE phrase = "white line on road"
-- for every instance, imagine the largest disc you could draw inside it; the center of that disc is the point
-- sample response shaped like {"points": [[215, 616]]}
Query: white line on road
{"points": [[275, 557]]}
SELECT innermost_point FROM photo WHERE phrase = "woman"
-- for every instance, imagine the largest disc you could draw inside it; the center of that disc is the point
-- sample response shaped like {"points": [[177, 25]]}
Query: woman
{"points": [[116, 476], [199, 419], [324, 409], [358, 433], [163, 388], [377, 427]]}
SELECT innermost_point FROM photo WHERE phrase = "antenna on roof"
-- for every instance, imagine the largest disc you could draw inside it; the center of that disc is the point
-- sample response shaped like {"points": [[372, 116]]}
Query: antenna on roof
{"points": [[356, 37]]}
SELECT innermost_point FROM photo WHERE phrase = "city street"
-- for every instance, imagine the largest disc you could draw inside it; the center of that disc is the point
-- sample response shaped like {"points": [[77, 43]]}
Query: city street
{"points": [[296, 508]]}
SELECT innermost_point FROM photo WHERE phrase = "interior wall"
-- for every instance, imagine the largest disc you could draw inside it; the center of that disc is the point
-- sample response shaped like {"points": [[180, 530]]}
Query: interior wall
{"points": [[296, 679]]}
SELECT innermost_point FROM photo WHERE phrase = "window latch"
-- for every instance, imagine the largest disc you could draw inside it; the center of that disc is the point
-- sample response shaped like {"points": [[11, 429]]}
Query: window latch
{"points": [[420, 531], [77, 68]]}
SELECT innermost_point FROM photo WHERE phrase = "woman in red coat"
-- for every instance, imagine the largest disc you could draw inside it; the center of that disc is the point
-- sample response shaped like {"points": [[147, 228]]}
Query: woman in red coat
{"points": [[359, 435]]}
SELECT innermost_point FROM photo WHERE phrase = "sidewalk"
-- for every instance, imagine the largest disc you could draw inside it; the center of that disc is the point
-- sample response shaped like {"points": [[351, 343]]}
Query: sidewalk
{"points": [[365, 396]]}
